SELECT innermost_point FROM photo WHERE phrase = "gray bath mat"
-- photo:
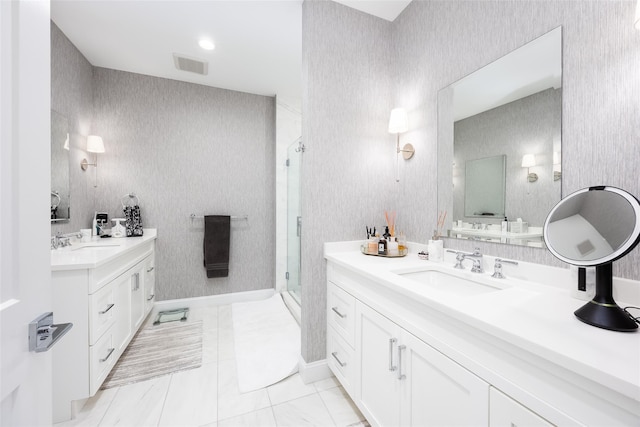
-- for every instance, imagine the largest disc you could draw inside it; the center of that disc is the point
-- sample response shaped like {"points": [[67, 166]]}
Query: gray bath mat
{"points": [[158, 350]]}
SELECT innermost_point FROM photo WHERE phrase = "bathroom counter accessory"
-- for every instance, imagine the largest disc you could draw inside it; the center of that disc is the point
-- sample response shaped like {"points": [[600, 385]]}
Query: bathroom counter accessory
{"points": [[403, 252]]}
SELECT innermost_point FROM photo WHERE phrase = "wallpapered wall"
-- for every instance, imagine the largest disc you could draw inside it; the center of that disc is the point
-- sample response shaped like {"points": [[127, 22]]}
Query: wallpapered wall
{"points": [[355, 69], [72, 97], [182, 148]]}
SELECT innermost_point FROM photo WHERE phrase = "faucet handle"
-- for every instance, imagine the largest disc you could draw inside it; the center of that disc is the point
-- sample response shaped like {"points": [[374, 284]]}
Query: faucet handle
{"points": [[477, 253], [497, 267]]}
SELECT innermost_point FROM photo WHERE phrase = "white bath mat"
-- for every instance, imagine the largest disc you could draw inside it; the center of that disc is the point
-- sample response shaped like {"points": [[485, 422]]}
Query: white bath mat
{"points": [[267, 342]]}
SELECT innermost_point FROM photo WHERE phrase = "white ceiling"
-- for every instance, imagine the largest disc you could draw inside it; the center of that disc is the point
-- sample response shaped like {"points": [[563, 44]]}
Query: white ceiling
{"points": [[258, 43]]}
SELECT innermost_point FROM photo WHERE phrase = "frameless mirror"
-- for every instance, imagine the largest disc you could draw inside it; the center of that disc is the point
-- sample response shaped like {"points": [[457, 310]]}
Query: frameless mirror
{"points": [[60, 199], [507, 109], [594, 227]]}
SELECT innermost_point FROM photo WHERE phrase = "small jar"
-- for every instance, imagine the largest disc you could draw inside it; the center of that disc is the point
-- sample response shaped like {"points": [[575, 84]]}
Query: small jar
{"points": [[372, 245], [392, 247]]}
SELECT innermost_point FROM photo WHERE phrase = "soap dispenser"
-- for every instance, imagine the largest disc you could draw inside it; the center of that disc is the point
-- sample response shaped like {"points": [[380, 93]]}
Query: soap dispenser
{"points": [[118, 229]]}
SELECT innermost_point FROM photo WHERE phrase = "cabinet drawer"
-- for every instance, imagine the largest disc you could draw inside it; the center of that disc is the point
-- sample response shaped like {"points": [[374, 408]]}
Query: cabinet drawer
{"points": [[341, 312], [506, 412], [341, 360], [102, 308], [103, 355]]}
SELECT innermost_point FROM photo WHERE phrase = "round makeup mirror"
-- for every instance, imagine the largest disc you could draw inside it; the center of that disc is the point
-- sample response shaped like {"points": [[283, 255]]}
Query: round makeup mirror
{"points": [[594, 227]]}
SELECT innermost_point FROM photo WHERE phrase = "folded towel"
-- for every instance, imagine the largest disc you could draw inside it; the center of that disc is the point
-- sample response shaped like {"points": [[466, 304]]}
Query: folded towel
{"points": [[133, 221], [217, 230]]}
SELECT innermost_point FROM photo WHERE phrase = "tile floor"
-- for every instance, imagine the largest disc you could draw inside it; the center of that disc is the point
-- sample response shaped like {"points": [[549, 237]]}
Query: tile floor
{"points": [[209, 396]]}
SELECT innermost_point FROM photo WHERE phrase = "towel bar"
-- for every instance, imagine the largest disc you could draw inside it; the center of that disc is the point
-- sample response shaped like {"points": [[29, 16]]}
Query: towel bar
{"points": [[233, 217]]}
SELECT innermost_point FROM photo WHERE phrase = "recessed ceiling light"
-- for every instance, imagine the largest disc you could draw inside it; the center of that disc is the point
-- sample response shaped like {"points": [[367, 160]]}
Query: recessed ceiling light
{"points": [[206, 44]]}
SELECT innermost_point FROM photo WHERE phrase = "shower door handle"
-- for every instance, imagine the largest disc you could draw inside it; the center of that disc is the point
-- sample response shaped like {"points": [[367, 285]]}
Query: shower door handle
{"points": [[298, 225]]}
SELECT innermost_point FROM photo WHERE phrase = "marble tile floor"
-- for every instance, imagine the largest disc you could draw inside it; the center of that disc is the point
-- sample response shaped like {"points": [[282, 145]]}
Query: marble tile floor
{"points": [[208, 396]]}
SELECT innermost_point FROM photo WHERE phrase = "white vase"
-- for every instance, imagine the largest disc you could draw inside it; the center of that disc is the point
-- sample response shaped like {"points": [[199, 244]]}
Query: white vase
{"points": [[436, 250]]}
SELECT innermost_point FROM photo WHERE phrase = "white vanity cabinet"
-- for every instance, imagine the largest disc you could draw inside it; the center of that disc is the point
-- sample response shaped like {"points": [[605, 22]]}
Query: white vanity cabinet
{"points": [[401, 380], [106, 300], [506, 412]]}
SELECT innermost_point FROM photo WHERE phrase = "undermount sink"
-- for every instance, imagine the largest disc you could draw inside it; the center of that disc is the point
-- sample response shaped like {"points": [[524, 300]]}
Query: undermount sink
{"points": [[444, 282], [95, 245]]}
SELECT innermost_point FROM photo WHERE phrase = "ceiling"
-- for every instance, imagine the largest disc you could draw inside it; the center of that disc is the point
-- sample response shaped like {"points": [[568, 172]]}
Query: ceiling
{"points": [[258, 44]]}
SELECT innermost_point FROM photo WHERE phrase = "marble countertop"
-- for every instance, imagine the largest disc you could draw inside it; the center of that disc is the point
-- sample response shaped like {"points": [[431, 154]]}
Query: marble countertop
{"points": [[82, 255], [534, 316]]}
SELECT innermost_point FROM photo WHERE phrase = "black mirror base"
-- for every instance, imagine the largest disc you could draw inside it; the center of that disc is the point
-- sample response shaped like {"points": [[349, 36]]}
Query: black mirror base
{"points": [[608, 316]]}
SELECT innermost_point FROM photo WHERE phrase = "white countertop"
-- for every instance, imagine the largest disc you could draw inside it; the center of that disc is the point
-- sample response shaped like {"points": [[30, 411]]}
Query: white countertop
{"points": [[96, 252], [535, 317]]}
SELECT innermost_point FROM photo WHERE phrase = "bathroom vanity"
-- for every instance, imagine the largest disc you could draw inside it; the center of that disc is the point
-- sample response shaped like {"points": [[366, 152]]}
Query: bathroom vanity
{"points": [[419, 343], [106, 288]]}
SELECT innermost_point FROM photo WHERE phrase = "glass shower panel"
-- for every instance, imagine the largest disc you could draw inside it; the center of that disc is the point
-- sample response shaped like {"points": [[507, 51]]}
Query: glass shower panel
{"points": [[294, 218]]}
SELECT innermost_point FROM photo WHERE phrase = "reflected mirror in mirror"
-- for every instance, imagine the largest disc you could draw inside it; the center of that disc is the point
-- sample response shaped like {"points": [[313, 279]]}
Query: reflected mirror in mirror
{"points": [[60, 200], [509, 108], [594, 227], [484, 187]]}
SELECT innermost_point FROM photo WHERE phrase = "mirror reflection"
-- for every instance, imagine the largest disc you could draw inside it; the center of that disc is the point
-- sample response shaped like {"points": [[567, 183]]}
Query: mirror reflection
{"points": [[510, 109], [60, 206]]}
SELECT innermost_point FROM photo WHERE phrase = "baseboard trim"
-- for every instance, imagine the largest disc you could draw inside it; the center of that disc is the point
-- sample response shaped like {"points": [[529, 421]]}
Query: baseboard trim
{"points": [[213, 300], [314, 371]]}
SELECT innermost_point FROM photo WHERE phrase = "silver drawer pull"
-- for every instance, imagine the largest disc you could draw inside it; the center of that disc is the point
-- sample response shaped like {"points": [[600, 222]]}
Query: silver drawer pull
{"points": [[391, 342], [108, 355], [401, 376], [109, 307], [152, 296], [150, 269], [335, 309], [335, 356]]}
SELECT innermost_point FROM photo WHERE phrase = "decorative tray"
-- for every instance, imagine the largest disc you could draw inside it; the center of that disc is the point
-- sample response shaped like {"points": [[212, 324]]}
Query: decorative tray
{"points": [[403, 252]]}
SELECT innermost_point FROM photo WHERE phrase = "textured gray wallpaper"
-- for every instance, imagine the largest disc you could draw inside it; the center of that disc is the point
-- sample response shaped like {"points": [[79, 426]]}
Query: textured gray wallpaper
{"points": [[353, 64], [348, 176], [183, 148], [72, 97]]}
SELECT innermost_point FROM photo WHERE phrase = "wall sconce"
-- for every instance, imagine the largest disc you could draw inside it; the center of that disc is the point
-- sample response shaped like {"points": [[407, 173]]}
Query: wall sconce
{"points": [[529, 161], [94, 145], [399, 123], [557, 166]]}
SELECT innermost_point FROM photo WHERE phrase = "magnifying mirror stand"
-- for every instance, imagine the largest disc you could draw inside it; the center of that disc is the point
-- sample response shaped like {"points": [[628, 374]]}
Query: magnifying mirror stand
{"points": [[602, 311]]}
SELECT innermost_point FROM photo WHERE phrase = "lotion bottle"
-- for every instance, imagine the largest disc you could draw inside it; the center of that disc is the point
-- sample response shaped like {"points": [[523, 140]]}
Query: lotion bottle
{"points": [[382, 245], [505, 225]]}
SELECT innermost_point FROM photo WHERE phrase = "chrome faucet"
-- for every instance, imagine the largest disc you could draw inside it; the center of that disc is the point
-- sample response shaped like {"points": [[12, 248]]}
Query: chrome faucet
{"points": [[476, 258], [497, 267], [61, 240]]}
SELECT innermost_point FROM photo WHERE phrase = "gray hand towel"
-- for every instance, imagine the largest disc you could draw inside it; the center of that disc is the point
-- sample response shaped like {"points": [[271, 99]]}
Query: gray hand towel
{"points": [[217, 232]]}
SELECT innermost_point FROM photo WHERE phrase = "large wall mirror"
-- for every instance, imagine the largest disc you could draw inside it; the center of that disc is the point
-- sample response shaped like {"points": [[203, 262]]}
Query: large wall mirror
{"points": [[505, 116], [60, 199]]}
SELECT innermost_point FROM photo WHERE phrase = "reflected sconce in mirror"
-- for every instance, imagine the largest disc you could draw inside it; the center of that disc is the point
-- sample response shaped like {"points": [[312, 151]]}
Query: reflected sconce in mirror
{"points": [[399, 123], [529, 161], [94, 145]]}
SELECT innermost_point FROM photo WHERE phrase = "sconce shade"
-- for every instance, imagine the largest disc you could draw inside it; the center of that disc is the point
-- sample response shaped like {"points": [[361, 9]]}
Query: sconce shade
{"points": [[398, 122], [528, 160], [95, 144]]}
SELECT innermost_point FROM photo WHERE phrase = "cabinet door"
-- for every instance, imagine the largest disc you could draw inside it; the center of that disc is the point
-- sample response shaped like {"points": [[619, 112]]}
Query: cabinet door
{"points": [[122, 311], [437, 391], [377, 382], [138, 299], [149, 283], [504, 411]]}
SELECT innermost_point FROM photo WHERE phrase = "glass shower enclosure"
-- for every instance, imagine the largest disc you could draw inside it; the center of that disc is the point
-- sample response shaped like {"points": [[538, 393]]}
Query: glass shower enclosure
{"points": [[294, 218]]}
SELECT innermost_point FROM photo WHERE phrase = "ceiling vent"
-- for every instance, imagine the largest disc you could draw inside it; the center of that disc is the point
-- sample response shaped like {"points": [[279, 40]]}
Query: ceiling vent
{"points": [[191, 65]]}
